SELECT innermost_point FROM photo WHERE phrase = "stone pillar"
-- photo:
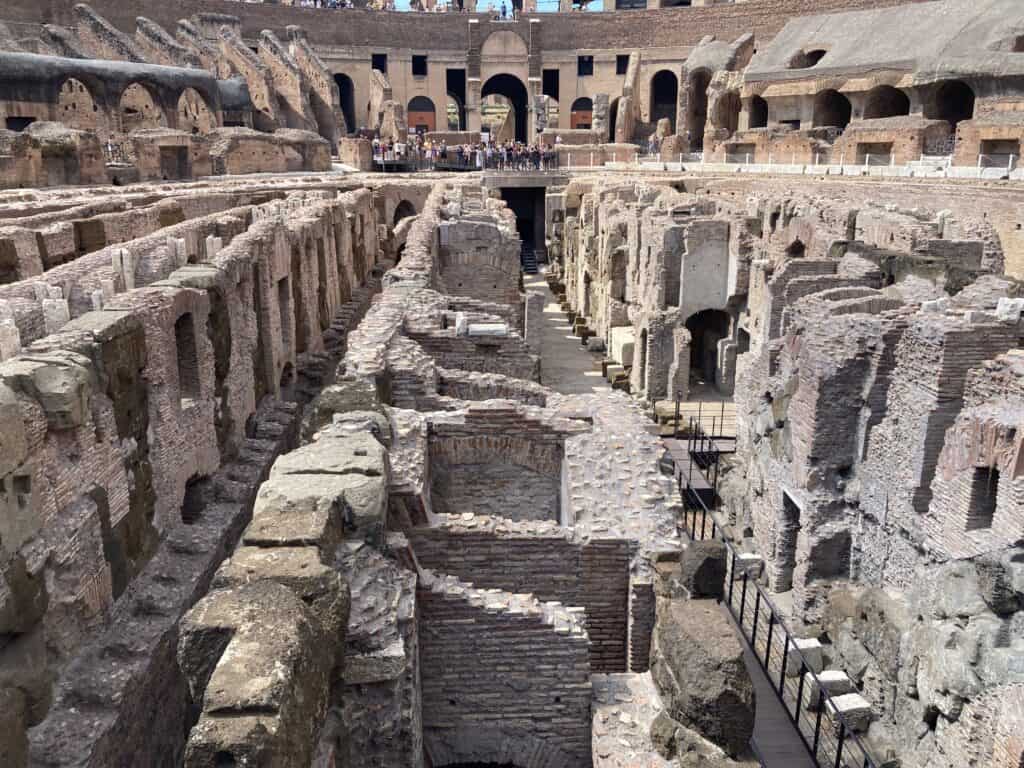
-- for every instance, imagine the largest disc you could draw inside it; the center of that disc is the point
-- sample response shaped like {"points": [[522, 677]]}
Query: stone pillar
{"points": [[536, 117], [679, 371], [473, 86], [535, 301]]}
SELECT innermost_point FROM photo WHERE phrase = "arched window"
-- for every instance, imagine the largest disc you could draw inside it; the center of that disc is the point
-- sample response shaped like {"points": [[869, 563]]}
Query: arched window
{"points": [[806, 59], [664, 96], [582, 113], [420, 115]]}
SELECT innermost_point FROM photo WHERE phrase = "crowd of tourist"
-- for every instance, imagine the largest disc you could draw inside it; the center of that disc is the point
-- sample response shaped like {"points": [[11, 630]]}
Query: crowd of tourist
{"points": [[497, 11], [427, 154]]}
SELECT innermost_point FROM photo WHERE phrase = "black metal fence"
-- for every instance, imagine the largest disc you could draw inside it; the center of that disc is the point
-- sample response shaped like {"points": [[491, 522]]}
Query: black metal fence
{"points": [[826, 734]]}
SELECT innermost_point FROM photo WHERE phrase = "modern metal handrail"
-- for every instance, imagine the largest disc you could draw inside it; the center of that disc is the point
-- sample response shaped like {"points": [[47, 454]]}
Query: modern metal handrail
{"points": [[827, 736]]}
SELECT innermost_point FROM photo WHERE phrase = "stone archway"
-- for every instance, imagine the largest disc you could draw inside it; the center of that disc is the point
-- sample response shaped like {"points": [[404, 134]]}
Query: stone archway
{"points": [[138, 109], [76, 107], [664, 96], [346, 93], [194, 116], [513, 89]]}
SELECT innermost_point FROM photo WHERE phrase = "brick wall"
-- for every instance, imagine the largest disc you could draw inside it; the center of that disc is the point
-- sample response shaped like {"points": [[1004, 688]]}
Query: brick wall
{"points": [[521, 686], [615, 30], [551, 566]]}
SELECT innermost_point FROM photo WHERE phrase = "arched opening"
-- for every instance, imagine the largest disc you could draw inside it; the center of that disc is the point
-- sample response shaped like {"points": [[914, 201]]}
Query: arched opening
{"points": [[886, 101], [642, 353], [664, 96], [421, 115], [512, 89], [758, 113], [581, 113], [346, 92], [831, 109], [952, 101], [726, 115], [707, 328], [796, 249], [403, 210], [697, 110], [193, 114], [138, 110], [455, 113], [613, 118], [76, 107], [806, 59]]}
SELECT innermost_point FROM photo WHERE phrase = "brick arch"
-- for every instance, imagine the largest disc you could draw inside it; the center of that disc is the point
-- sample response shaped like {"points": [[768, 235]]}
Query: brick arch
{"points": [[504, 42]]}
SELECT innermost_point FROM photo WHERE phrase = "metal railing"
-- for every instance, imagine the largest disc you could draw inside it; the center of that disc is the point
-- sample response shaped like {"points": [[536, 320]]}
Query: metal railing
{"points": [[827, 736]]}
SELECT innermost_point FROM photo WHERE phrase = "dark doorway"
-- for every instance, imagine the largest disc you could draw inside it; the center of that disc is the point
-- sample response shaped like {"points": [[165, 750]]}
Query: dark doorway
{"points": [[697, 113], [758, 113], [789, 532], [664, 95], [527, 203], [706, 328], [832, 109], [886, 101], [512, 88], [455, 83], [403, 210], [174, 163], [613, 117], [952, 101], [346, 91]]}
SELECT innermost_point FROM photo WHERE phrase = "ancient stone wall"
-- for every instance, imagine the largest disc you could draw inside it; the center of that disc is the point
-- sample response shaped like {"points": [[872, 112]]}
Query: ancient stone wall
{"points": [[502, 701]]}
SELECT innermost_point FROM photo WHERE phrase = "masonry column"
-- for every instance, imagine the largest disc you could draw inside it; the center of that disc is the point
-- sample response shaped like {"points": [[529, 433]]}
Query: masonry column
{"points": [[473, 122]]}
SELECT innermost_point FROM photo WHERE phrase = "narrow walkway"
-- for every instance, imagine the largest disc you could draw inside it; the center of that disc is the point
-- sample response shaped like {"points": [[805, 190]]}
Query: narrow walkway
{"points": [[775, 739], [565, 364]]}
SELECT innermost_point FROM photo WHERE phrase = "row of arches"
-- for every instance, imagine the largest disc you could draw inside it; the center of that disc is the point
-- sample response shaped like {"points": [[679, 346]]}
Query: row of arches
{"points": [[136, 109], [952, 101]]}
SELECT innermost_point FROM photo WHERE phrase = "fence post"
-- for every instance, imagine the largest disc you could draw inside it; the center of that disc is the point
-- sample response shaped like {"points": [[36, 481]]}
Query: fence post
{"points": [[817, 721], [785, 658], [675, 424], [867, 160], [800, 699], [757, 614], [743, 601], [732, 574], [980, 156], [1009, 165], [839, 744], [768, 643]]}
